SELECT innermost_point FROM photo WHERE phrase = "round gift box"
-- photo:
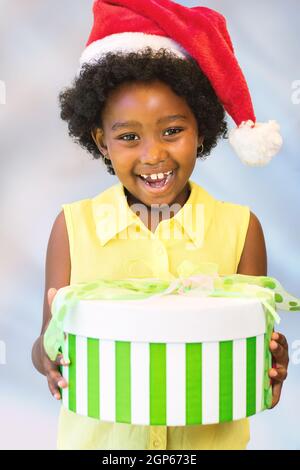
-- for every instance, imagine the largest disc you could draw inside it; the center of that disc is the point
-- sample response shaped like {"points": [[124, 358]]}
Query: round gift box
{"points": [[174, 360]]}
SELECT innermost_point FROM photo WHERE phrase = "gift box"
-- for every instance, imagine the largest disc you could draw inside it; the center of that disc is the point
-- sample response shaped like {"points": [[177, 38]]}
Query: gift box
{"points": [[188, 350]]}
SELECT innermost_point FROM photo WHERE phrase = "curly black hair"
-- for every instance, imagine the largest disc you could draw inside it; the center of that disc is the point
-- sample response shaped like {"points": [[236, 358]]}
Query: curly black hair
{"points": [[82, 103]]}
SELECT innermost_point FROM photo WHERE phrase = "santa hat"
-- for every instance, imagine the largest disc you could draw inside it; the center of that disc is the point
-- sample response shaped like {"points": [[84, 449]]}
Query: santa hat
{"points": [[198, 32]]}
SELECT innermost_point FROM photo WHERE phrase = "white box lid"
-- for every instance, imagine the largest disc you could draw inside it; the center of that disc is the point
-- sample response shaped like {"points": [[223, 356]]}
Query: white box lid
{"points": [[168, 319]]}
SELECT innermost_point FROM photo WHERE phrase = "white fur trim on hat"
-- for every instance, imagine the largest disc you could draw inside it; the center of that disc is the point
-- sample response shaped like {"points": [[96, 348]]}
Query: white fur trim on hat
{"points": [[257, 144], [129, 42]]}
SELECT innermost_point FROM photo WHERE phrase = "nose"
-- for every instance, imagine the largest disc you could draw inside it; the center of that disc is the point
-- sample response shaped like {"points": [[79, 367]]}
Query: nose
{"points": [[152, 155]]}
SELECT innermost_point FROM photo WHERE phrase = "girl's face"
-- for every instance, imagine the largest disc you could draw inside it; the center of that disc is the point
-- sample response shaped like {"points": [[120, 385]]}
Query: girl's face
{"points": [[148, 130]]}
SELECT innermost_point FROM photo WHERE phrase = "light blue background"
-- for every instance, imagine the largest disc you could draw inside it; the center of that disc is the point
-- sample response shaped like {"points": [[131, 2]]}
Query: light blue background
{"points": [[41, 169]]}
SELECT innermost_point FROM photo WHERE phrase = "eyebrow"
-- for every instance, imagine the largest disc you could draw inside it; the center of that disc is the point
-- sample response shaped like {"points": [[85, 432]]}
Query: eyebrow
{"points": [[173, 117]]}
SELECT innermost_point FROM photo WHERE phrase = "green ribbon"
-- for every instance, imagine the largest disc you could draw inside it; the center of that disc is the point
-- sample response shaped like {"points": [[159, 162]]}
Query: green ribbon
{"points": [[193, 280]]}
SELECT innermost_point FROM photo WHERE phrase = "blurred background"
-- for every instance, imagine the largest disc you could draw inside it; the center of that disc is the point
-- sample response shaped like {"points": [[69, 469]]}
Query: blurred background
{"points": [[41, 168]]}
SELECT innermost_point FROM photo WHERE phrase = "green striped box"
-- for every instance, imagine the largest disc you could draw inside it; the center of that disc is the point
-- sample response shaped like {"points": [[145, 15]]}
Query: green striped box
{"points": [[128, 374]]}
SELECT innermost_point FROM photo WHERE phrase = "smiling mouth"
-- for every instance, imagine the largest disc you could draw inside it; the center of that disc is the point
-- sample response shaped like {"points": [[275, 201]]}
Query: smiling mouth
{"points": [[159, 182]]}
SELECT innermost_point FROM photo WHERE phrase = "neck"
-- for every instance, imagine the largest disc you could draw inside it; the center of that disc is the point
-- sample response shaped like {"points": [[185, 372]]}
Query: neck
{"points": [[180, 199], [157, 213]]}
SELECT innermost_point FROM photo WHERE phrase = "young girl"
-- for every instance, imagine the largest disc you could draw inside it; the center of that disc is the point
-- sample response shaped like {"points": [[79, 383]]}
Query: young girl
{"points": [[145, 106]]}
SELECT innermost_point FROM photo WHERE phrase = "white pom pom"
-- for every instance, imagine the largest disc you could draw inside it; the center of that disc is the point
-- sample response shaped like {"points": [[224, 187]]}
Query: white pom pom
{"points": [[256, 146]]}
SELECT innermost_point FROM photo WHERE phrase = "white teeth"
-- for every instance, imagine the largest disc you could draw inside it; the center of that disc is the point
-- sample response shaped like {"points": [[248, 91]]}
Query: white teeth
{"points": [[156, 176]]}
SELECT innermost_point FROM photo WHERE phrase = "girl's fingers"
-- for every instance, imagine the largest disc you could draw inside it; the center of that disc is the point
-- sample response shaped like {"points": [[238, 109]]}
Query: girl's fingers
{"points": [[60, 361], [64, 363], [281, 339], [55, 382], [278, 375], [279, 353], [53, 387], [58, 379]]}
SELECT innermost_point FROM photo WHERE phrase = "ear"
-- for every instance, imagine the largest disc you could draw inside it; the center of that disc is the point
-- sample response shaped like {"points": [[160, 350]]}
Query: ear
{"points": [[99, 139], [200, 140]]}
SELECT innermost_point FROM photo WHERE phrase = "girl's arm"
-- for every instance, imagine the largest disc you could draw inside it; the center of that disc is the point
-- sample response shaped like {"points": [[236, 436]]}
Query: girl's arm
{"points": [[57, 275], [254, 262]]}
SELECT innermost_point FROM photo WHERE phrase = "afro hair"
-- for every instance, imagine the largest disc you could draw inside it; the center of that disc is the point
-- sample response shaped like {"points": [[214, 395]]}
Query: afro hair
{"points": [[82, 103]]}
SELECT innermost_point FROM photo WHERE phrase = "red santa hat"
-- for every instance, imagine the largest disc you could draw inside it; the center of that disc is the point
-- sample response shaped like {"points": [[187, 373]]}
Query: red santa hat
{"points": [[198, 32]]}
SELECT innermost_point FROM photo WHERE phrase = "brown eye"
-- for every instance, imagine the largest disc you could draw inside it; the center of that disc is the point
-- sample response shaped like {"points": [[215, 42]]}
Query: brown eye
{"points": [[126, 135], [174, 129]]}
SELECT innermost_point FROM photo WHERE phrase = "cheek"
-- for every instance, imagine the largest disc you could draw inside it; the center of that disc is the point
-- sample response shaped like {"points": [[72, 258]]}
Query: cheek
{"points": [[122, 164], [187, 145], [186, 153]]}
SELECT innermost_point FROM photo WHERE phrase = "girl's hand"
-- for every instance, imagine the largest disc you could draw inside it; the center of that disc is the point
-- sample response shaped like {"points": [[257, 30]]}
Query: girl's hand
{"points": [[280, 353], [51, 368]]}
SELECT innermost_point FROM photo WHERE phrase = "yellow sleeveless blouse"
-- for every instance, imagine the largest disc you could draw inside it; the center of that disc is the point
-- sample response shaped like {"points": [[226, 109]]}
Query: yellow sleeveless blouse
{"points": [[109, 241]]}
